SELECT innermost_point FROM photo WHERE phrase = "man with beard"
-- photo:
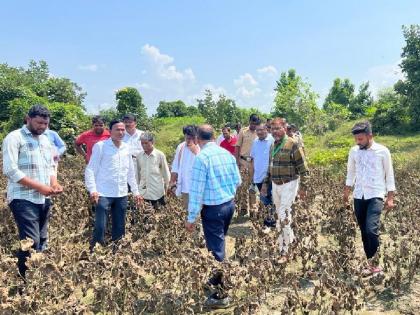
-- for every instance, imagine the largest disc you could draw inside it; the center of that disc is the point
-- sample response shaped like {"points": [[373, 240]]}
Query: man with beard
{"points": [[90, 137], [370, 171], [28, 165]]}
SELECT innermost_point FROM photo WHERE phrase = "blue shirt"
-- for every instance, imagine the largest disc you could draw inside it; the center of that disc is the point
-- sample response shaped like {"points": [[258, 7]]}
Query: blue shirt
{"points": [[56, 141], [260, 152], [214, 179]]}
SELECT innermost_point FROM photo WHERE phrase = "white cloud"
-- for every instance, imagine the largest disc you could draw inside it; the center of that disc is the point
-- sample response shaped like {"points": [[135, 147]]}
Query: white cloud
{"points": [[268, 70], [247, 86], [245, 79], [91, 67], [382, 76], [163, 66]]}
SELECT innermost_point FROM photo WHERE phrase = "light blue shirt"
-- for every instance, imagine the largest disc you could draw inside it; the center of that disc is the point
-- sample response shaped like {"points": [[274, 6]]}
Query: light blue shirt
{"points": [[260, 152], [56, 141], [214, 179]]}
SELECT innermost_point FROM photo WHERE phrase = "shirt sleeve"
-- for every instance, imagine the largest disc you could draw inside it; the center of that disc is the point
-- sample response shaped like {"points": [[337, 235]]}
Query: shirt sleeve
{"points": [[175, 162], [351, 169], [131, 177], [252, 153], [196, 194], [267, 178], [92, 168], [59, 143], [80, 139], [166, 174], [240, 139], [389, 172], [10, 158]]}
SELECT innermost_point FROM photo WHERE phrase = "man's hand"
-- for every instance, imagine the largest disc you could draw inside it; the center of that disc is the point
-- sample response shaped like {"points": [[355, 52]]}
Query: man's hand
{"points": [[138, 200], [302, 194], [58, 189], [45, 190], [346, 195], [193, 147], [264, 191], [94, 197], [189, 226], [389, 204]]}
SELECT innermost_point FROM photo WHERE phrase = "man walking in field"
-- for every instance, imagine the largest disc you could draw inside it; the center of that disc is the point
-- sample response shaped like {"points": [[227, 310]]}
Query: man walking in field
{"points": [[286, 167], [214, 181], [370, 172], [109, 171], [29, 167], [183, 162], [90, 137]]}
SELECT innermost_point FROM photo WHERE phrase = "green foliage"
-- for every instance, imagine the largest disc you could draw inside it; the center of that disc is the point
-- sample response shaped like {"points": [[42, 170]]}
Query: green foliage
{"points": [[109, 114], [342, 93], [409, 88], [129, 100], [295, 100], [360, 104], [174, 109]]}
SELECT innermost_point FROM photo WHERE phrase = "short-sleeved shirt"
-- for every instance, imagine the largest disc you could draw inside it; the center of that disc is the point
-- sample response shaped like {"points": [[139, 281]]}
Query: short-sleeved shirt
{"points": [[246, 138], [89, 138], [229, 145], [260, 153]]}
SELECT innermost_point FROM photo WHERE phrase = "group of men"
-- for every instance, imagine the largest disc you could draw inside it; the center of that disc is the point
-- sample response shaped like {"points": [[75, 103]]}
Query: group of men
{"points": [[207, 175]]}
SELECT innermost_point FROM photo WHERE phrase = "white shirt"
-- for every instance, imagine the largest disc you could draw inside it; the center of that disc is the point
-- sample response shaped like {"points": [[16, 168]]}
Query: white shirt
{"points": [[219, 139], [110, 169], [183, 165], [134, 142], [370, 171]]}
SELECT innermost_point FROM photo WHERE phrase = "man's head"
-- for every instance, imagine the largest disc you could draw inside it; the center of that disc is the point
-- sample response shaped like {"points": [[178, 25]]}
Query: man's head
{"points": [[130, 121], [147, 142], [226, 132], [362, 133], [262, 131], [98, 124], [254, 121], [205, 134], [190, 134], [278, 128], [268, 124], [238, 127], [37, 119], [291, 129], [117, 128]]}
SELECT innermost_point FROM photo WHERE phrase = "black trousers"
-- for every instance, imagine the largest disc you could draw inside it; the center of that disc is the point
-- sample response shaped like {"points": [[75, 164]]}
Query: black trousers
{"points": [[368, 214]]}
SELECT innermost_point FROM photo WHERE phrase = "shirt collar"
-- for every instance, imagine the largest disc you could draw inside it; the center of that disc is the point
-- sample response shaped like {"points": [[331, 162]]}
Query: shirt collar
{"points": [[208, 145], [26, 130]]}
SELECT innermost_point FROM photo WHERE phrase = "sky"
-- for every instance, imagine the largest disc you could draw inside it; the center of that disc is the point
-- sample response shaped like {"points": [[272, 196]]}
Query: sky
{"points": [[172, 50]]}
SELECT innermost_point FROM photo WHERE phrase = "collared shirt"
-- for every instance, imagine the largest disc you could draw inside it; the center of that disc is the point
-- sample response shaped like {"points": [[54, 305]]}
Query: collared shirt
{"points": [[89, 138], [109, 170], [370, 171], [246, 138], [229, 145], [152, 174], [134, 141], [27, 155], [182, 165], [214, 179], [56, 141], [288, 164], [260, 153]]}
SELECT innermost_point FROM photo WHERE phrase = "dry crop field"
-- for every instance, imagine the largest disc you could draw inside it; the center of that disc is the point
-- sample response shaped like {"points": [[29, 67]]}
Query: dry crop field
{"points": [[158, 268]]}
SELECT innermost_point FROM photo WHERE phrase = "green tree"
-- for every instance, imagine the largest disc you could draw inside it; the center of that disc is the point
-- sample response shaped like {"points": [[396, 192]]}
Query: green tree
{"points": [[129, 100], [409, 88], [295, 100], [341, 93], [172, 109], [361, 102]]}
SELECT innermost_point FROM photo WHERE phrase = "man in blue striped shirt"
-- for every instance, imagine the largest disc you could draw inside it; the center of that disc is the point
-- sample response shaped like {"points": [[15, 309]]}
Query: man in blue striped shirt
{"points": [[214, 180]]}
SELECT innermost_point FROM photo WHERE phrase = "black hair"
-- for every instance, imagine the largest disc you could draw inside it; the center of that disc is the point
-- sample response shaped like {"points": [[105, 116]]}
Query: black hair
{"points": [[362, 127], [113, 122], [226, 127], [190, 130], [129, 117], [254, 119], [97, 119], [39, 110], [205, 134]]}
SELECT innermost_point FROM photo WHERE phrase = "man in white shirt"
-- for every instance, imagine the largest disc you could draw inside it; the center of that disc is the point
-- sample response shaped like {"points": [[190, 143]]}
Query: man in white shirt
{"points": [[183, 162], [109, 170], [132, 134], [152, 172], [370, 171]]}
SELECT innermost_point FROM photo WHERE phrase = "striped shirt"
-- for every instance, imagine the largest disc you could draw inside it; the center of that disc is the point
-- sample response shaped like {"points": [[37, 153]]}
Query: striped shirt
{"points": [[288, 164], [27, 155], [214, 179]]}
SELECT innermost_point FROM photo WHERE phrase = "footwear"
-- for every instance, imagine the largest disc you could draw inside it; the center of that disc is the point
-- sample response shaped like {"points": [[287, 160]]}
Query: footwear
{"points": [[214, 301], [215, 279], [371, 270]]}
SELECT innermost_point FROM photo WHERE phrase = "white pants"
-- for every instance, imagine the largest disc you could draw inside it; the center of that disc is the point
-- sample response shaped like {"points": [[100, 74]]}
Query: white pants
{"points": [[283, 198]]}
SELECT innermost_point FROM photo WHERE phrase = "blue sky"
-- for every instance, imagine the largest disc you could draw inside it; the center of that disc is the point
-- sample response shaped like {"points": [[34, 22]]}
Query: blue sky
{"points": [[176, 49]]}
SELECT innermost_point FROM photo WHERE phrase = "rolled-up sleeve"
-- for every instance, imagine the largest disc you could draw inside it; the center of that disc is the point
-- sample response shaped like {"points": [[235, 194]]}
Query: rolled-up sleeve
{"points": [[10, 150], [351, 169], [389, 171], [91, 168]]}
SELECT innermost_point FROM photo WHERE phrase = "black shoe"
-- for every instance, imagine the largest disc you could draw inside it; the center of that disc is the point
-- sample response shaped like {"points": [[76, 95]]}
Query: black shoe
{"points": [[214, 301], [215, 279]]}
